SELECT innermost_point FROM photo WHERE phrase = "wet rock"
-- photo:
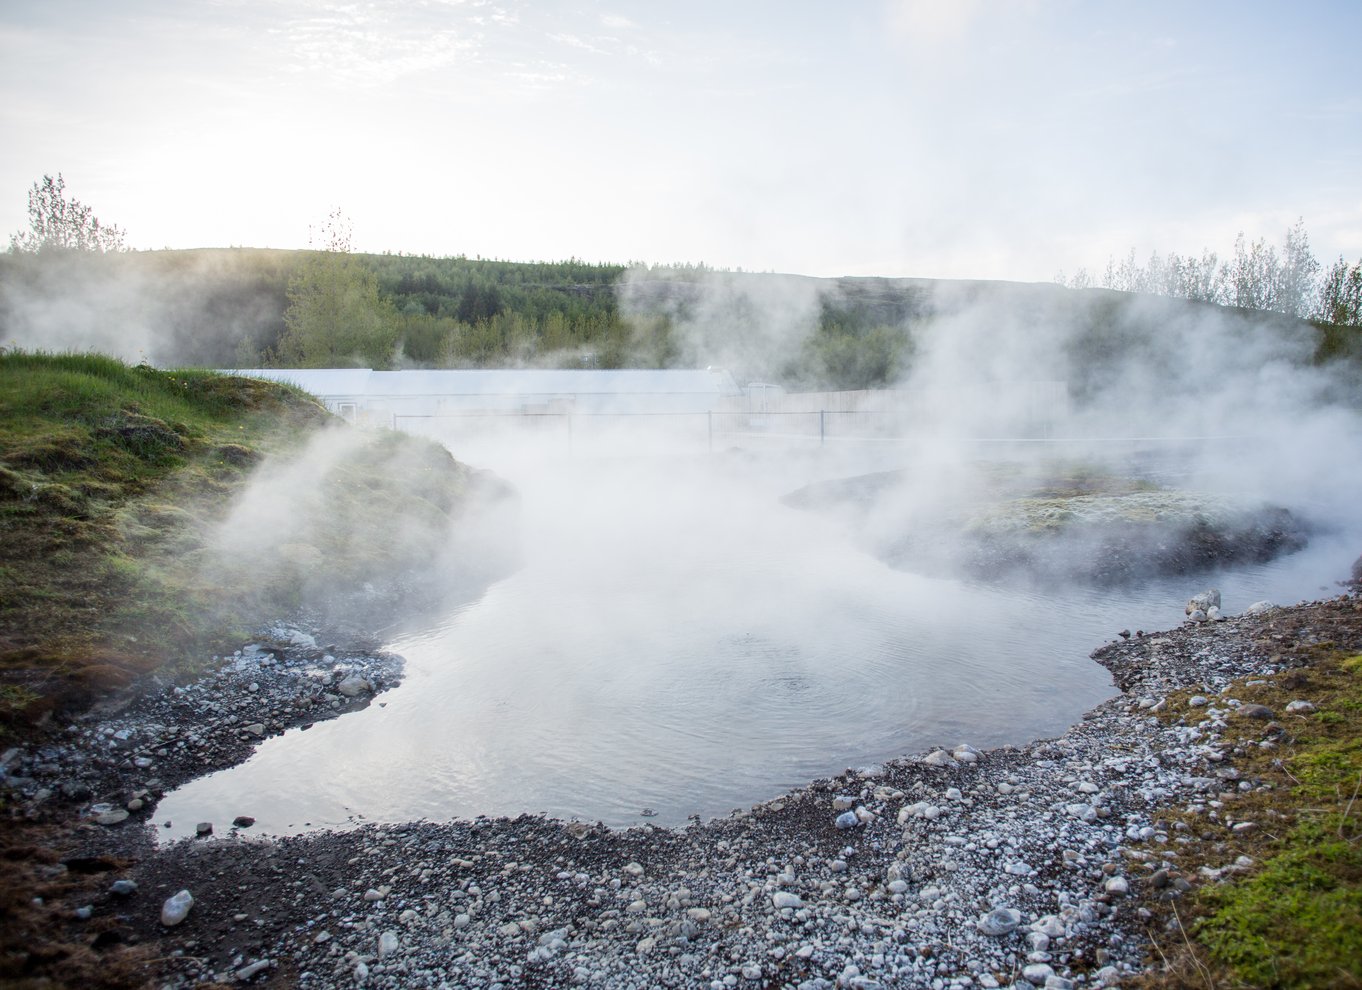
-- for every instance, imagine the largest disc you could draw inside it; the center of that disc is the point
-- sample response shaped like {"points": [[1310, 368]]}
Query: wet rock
{"points": [[353, 686], [203, 829], [243, 821], [106, 814], [1204, 602], [123, 888]]}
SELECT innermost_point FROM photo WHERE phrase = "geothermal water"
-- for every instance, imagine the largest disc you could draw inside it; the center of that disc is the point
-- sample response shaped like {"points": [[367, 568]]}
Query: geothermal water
{"points": [[678, 643]]}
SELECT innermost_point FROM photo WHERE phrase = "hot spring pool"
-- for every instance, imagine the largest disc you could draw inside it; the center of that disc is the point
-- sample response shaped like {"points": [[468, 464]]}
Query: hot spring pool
{"points": [[678, 643]]}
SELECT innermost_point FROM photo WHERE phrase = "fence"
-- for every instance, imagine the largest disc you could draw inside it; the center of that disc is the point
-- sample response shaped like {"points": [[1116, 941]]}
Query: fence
{"points": [[585, 432]]}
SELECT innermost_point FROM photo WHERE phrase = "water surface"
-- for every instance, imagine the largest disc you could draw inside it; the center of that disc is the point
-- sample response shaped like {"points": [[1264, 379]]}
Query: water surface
{"points": [[679, 644]]}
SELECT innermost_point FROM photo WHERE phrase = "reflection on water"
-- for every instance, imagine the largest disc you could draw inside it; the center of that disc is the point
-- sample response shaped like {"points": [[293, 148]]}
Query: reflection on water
{"points": [[678, 641]]}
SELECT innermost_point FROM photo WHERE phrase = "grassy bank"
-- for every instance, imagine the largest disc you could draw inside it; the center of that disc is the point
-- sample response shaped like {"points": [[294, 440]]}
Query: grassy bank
{"points": [[136, 536], [1288, 914]]}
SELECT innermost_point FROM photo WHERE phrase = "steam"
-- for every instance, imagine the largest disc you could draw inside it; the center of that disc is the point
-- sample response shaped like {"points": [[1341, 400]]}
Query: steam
{"points": [[184, 308], [747, 323], [362, 529]]}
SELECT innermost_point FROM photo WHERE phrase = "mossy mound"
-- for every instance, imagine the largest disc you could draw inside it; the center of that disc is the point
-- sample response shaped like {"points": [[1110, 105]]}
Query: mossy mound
{"points": [[1064, 523], [120, 488]]}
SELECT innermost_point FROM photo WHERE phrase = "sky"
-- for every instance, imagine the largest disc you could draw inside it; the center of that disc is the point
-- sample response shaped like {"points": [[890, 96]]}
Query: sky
{"points": [[934, 138]]}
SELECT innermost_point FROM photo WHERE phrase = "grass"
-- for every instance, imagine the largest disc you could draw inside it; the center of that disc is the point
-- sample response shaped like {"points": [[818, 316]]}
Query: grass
{"points": [[1294, 920], [114, 484]]}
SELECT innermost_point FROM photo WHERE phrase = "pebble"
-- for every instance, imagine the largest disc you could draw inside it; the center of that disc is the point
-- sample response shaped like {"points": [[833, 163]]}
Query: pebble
{"points": [[123, 888], [353, 686], [847, 819], [784, 899], [176, 908], [243, 821], [203, 828], [999, 922], [253, 969]]}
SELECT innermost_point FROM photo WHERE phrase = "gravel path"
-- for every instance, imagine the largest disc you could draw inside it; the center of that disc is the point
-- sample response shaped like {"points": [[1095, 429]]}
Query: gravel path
{"points": [[1013, 867]]}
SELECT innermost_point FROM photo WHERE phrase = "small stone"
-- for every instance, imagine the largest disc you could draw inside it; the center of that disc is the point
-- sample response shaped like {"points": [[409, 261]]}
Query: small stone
{"points": [[84, 913], [843, 802], [1208, 599], [113, 816], [1196, 615], [123, 888], [1300, 707], [1242, 827], [1258, 608], [1116, 885], [203, 828], [751, 972], [254, 729], [1255, 711], [243, 821], [1037, 973], [784, 899], [387, 944], [698, 914], [847, 819], [353, 686], [1198, 701], [633, 869], [999, 922], [176, 908], [249, 971], [939, 758], [135, 804]]}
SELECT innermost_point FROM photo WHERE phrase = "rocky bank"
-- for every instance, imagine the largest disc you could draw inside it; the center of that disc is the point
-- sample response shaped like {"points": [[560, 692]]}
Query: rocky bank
{"points": [[1023, 867]]}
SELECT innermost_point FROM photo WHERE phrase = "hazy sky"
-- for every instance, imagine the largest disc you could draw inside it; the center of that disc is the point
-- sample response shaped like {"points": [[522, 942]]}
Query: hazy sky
{"points": [[894, 137]]}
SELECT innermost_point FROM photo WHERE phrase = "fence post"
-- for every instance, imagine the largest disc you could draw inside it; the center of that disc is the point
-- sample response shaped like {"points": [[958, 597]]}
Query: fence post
{"points": [[822, 427]]}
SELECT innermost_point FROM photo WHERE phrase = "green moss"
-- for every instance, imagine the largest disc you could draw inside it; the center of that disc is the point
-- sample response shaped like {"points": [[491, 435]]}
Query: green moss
{"points": [[1295, 923], [113, 481]]}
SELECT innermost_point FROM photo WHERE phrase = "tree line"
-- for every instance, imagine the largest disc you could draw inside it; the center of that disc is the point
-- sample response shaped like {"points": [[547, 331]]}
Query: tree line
{"points": [[331, 307], [1258, 276]]}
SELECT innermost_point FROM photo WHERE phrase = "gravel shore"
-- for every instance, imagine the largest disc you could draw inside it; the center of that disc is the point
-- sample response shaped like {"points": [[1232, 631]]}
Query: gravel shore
{"points": [[1021, 867]]}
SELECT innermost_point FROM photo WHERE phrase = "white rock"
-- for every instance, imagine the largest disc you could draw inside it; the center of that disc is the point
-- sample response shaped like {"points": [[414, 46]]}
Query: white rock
{"points": [[176, 908], [785, 899], [1116, 885], [387, 944], [843, 802], [1258, 608], [939, 758], [353, 686], [1300, 706], [847, 819], [1037, 972]]}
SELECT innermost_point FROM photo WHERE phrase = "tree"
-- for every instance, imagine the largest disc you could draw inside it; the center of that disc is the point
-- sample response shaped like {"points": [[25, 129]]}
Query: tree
{"points": [[58, 223], [335, 314], [1340, 299]]}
